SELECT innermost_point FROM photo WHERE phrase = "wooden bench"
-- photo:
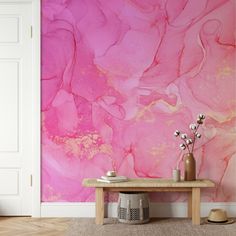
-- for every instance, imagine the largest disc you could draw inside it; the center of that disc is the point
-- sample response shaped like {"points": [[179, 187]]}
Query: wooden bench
{"points": [[152, 185]]}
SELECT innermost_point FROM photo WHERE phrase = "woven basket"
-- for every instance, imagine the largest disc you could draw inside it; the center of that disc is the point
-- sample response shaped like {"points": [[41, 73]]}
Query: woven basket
{"points": [[133, 207]]}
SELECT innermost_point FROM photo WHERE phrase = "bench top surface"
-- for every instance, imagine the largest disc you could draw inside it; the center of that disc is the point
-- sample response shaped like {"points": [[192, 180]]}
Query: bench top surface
{"points": [[150, 183]]}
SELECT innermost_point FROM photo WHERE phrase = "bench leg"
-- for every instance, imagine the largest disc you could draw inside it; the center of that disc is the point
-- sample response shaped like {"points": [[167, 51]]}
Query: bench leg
{"points": [[196, 195], [190, 205], [99, 206]]}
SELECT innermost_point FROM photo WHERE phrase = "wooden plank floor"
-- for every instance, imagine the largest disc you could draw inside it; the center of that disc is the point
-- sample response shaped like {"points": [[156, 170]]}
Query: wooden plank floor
{"points": [[27, 226]]}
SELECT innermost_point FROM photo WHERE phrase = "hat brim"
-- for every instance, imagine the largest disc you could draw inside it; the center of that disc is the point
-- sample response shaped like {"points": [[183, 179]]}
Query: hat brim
{"points": [[229, 221]]}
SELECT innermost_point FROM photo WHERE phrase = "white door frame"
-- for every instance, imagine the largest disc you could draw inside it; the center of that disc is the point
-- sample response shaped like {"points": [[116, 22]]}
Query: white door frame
{"points": [[36, 113], [36, 109]]}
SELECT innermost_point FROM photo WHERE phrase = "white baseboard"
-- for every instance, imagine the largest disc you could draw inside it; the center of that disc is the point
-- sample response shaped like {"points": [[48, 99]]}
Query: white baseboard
{"points": [[87, 209], [67, 209]]}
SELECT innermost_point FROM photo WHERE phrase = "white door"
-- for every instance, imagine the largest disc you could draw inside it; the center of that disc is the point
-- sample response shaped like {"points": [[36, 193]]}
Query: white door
{"points": [[15, 108]]}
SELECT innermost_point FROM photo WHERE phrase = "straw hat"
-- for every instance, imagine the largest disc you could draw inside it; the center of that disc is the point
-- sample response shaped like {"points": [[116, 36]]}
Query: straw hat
{"points": [[218, 216]]}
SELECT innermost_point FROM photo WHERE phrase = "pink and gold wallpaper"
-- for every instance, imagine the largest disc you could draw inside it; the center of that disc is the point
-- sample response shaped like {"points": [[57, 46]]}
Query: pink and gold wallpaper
{"points": [[120, 76]]}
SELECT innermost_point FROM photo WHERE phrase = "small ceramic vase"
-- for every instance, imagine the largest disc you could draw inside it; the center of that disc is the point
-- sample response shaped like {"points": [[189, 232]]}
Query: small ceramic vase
{"points": [[189, 167], [176, 175]]}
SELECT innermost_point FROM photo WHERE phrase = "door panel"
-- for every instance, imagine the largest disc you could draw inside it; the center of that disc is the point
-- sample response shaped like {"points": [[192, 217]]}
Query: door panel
{"points": [[9, 90], [12, 186], [10, 26], [15, 108]]}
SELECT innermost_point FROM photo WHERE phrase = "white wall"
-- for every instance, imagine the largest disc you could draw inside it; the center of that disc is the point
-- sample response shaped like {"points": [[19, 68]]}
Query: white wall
{"points": [[156, 209]]}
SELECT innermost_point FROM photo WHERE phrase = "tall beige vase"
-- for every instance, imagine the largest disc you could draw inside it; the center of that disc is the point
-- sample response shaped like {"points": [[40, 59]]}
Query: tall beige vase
{"points": [[189, 167]]}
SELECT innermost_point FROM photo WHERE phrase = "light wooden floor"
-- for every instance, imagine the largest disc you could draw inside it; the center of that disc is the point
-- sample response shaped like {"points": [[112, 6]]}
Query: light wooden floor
{"points": [[27, 226]]}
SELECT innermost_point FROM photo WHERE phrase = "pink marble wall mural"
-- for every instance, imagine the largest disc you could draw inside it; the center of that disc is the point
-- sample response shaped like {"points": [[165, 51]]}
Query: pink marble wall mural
{"points": [[119, 76]]}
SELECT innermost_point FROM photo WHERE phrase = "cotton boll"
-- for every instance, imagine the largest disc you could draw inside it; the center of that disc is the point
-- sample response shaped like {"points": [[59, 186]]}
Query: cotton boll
{"points": [[176, 133], [198, 135], [193, 126], [182, 146], [199, 121], [201, 116], [189, 141]]}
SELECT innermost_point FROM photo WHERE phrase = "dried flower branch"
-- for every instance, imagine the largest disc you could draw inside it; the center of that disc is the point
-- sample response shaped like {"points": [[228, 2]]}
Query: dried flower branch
{"points": [[189, 142]]}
